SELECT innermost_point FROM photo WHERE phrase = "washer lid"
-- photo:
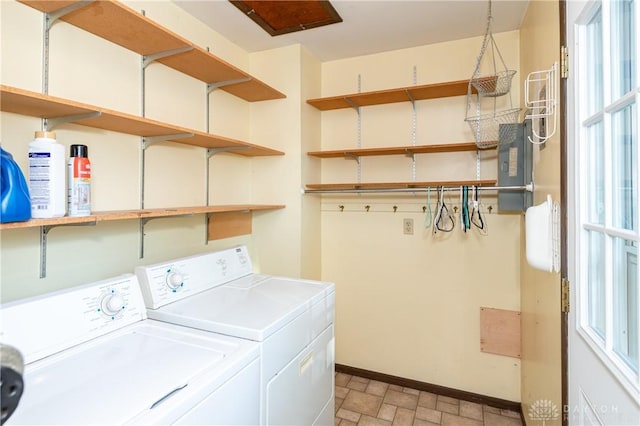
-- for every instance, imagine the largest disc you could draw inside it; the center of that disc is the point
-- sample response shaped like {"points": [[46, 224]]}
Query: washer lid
{"points": [[123, 375], [251, 310]]}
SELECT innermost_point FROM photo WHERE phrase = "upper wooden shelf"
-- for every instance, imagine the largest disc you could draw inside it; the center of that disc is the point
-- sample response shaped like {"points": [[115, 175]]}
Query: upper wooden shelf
{"points": [[34, 104], [402, 94], [400, 185], [398, 150], [138, 214], [117, 23]]}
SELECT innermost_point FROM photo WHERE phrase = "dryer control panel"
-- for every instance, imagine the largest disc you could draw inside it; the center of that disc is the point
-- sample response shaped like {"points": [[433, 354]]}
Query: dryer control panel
{"points": [[46, 324], [163, 283]]}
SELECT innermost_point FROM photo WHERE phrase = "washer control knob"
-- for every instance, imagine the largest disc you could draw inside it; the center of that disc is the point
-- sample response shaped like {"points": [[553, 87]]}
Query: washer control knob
{"points": [[112, 304], [174, 279]]}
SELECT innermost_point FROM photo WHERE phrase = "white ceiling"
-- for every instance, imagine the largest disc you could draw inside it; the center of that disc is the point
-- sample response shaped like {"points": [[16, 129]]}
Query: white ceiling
{"points": [[369, 26]]}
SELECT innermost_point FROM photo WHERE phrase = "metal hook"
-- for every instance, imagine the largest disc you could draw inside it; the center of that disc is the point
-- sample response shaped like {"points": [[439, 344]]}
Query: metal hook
{"points": [[395, 209], [367, 207], [341, 207], [490, 208]]}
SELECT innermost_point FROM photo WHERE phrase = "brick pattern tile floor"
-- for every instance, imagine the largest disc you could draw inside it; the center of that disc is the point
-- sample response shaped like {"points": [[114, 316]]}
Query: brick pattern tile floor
{"points": [[364, 402]]}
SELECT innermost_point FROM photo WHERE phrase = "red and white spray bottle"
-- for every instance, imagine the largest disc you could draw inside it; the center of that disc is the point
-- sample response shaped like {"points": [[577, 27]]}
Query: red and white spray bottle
{"points": [[79, 199]]}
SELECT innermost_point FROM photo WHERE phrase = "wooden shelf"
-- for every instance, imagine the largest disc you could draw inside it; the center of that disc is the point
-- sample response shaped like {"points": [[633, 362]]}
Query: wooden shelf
{"points": [[119, 24], [400, 185], [402, 94], [34, 104], [138, 214], [398, 150]]}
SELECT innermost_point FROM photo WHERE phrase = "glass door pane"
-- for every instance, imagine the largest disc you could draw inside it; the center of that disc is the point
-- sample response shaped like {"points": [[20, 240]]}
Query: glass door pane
{"points": [[594, 64], [625, 298], [595, 173], [625, 168], [623, 63], [596, 282]]}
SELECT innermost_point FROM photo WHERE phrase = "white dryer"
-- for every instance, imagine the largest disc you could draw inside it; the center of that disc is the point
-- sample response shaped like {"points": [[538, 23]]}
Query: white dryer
{"points": [[92, 357], [291, 318]]}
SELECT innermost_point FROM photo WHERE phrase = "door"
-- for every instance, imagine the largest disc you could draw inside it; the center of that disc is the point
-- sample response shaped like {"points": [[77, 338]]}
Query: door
{"points": [[603, 214]]}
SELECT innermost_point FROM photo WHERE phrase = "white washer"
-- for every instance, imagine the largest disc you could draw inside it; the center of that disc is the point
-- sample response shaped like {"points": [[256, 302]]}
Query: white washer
{"points": [[93, 357], [291, 318]]}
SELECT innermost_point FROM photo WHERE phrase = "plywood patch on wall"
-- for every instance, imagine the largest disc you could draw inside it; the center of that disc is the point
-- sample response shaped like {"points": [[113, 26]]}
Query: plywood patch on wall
{"points": [[231, 224], [500, 332]]}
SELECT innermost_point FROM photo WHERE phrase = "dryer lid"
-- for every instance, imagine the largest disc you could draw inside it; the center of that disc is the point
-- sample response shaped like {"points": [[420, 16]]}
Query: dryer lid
{"points": [[252, 311]]}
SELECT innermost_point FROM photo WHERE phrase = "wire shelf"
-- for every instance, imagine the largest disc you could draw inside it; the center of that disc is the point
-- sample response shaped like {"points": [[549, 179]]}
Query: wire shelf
{"points": [[487, 128]]}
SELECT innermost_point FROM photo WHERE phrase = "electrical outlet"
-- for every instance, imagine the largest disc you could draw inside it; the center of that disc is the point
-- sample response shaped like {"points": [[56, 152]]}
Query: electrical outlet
{"points": [[407, 226]]}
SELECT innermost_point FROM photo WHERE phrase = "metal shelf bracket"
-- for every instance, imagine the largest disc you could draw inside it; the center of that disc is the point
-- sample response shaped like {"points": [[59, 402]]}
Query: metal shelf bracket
{"points": [[213, 86], [147, 141], [143, 223], [213, 151], [149, 59], [52, 123], [350, 156], [44, 231], [52, 17]]}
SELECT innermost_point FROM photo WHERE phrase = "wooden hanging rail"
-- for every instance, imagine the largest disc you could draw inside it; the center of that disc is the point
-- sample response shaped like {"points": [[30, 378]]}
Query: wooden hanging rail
{"points": [[398, 185]]}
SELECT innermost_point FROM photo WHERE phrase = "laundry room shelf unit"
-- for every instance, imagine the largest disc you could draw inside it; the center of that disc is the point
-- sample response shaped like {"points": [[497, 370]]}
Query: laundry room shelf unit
{"points": [[396, 150], [115, 22], [106, 216], [229, 221], [58, 110], [402, 94], [381, 97]]}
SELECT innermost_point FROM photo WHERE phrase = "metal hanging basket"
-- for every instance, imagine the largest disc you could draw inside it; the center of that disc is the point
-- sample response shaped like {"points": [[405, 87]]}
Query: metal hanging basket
{"points": [[489, 127], [496, 85]]}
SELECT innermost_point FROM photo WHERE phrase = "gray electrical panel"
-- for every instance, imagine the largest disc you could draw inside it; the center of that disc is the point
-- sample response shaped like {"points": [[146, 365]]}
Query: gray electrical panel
{"points": [[515, 166]]}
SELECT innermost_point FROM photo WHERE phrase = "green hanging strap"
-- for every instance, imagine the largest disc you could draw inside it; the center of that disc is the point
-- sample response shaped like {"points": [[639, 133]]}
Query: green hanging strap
{"points": [[428, 214]]}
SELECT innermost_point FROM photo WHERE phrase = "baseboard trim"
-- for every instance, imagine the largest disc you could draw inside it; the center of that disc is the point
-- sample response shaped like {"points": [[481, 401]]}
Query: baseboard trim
{"points": [[428, 387]]}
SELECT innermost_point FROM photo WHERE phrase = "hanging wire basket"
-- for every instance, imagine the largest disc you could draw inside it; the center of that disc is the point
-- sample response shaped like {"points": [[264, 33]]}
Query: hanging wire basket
{"points": [[490, 129], [496, 85]]}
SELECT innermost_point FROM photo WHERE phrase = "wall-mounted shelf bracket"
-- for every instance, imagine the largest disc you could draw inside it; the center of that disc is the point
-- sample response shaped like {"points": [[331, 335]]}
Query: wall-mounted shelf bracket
{"points": [[411, 154], [52, 17], [143, 223], [352, 104], [350, 156], [213, 86], [149, 59], [52, 123], [213, 151], [147, 141], [44, 231]]}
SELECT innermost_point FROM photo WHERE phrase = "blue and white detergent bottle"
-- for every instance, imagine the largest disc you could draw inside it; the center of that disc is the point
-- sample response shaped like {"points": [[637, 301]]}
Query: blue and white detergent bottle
{"points": [[15, 203]]}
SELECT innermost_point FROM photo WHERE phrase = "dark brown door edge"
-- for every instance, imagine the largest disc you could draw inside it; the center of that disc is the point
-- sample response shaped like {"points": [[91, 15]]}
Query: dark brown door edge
{"points": [[564, 322]]}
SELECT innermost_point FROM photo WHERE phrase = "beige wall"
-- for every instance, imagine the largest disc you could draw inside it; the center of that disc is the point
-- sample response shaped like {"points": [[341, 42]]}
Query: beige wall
{"points": [[89, 69], [541, 351], [409, 305]]}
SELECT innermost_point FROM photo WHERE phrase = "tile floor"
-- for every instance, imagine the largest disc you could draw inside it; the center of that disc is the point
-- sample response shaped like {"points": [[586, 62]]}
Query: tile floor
{"points": [[365, 402]]}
